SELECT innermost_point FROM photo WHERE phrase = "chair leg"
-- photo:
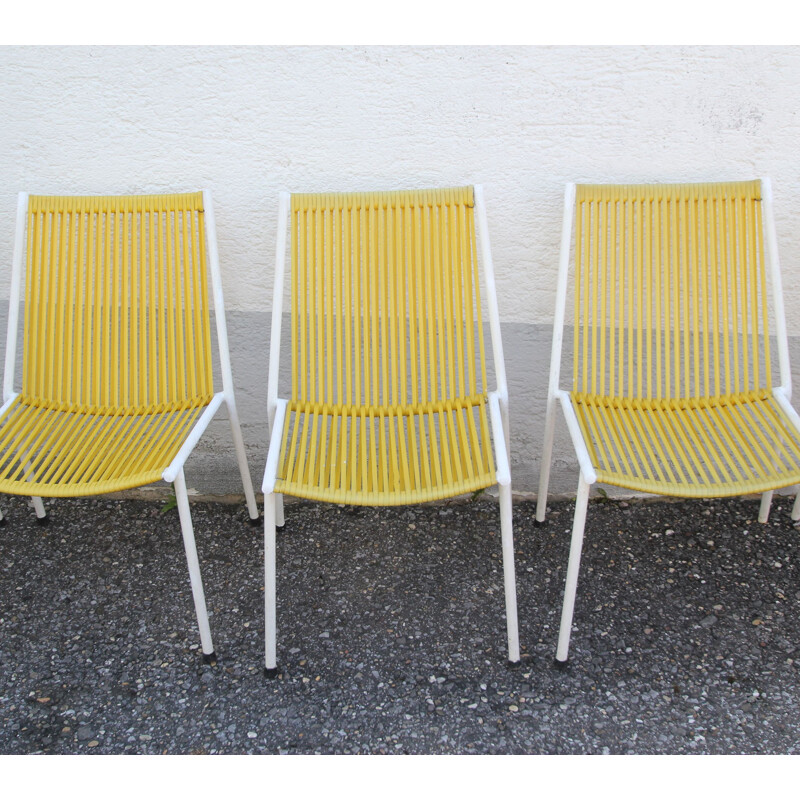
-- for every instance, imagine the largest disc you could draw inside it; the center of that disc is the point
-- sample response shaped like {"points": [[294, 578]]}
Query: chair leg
{"points": [[796, 506], [509, 579], [576, 546], [280, 520], [504, 415], [547, 454], [196, 581], [36, 502], [763, 511], [270, 660], [38, 507], [241, 458]]}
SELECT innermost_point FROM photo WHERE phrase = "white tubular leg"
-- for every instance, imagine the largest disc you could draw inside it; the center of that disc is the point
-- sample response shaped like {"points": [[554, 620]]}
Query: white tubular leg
{"points": [[506, 426], [796, 506], [547, 455], [38, 507], [507, 536], [270, 660], [36, 502], [241, 458], [576, 546], [276, 419], [280, 520], [763, 511], [194, 564]]}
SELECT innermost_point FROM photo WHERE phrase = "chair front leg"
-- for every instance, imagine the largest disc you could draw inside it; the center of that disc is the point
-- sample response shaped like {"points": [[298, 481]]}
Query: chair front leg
{"points": [[270, 648], [509, 578], [195, 579]]}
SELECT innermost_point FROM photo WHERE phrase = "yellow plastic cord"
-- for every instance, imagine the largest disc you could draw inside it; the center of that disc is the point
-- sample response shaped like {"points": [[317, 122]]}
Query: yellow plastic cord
{"points": [[117, 344], [389, 400], [672, 377]]}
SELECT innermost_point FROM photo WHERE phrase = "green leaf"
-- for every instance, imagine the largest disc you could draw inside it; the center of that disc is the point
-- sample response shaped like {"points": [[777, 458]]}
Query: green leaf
{"points": [[170, 503]]}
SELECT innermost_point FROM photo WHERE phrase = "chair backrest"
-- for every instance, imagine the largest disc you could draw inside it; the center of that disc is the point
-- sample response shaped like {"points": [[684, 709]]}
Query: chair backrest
{"points": [[116, 303], [671, 295], [386, 305]]}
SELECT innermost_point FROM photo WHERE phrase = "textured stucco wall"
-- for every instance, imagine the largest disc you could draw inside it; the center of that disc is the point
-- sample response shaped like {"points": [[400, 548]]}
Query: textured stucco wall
{"points": [[248, 122]]}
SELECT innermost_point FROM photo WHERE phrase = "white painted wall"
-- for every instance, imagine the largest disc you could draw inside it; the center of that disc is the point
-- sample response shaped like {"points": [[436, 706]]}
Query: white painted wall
{"points": [[248, 122]]}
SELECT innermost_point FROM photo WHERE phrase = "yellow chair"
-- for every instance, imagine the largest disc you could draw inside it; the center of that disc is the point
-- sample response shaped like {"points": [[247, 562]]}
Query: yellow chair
{"points": [[117, 381], [672, 382], [389, 401]]}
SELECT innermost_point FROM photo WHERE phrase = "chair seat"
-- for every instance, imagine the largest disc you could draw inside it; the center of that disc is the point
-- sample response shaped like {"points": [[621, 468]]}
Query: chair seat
{"points": [[78, 452], [386, 455], [708, 447]]}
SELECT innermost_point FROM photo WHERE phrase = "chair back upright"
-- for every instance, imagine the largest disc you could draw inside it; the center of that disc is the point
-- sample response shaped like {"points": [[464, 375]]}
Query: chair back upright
{"points": [[671, 298], [116, 304], [386, 311]]}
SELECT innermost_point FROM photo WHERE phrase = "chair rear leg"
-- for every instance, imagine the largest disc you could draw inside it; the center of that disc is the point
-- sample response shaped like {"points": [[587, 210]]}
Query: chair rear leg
{"points": [[36, 502], [270, 649], [796, 506], [547, 454], [504, 415], [763, 510], [509, 578], [280, 520], [241, 458], [38, 507], [576, 546], [195, 579]]}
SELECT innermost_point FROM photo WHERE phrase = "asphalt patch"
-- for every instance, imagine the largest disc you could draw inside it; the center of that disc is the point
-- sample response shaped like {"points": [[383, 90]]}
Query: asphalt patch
{"points": [[391, 631]]}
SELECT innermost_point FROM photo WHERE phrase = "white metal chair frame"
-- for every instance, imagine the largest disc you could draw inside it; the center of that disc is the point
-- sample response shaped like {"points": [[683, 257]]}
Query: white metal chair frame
{"points": [[277, 409], [557, 396], [174, 473]]}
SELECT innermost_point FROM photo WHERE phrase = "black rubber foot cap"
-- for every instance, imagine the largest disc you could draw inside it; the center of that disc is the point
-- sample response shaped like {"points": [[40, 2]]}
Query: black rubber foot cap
{"points": [[562, 665], [254, 522], [210, 658], [43, 521], [271, 673], [2, 522], [538, 524], [279, 528], [514, 664]]}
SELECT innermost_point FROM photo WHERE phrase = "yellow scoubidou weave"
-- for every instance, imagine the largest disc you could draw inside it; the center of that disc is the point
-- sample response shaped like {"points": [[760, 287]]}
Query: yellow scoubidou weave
{"points": [[117, 344], [388, 400], [672, 380]]}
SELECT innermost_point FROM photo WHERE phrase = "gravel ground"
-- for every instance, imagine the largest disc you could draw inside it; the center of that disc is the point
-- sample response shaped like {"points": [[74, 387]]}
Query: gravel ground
{"points": [[392, 634]]}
